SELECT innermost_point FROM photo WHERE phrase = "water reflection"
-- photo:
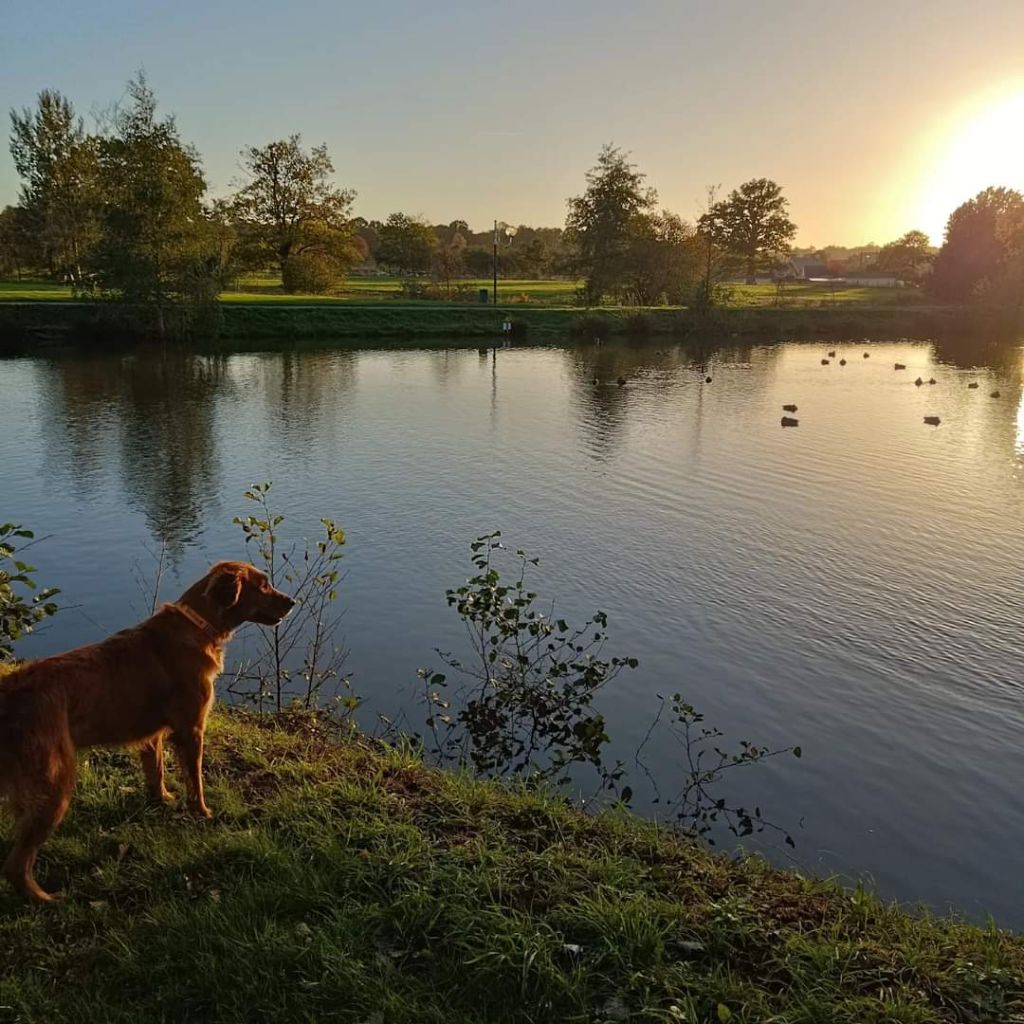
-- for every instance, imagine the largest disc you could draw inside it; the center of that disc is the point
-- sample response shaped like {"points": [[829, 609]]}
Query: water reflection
{"points": [[152, 417], [852, 585]]}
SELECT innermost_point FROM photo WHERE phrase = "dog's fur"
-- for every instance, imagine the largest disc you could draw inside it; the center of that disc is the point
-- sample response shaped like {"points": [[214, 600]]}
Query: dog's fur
{"points": [[138, 686]]}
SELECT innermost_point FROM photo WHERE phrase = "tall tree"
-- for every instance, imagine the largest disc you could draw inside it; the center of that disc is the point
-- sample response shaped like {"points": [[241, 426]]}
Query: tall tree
{"points": [[661, 259], [19, 249], [406, 244], [57, 163], [154, 249], [601, 222], [296, 217], [978, 243], [908, 258], [752, 224], [448, 260]]}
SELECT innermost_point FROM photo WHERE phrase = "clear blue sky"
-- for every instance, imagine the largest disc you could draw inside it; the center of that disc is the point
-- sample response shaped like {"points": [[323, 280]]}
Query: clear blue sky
{"points": [[475, 110]]}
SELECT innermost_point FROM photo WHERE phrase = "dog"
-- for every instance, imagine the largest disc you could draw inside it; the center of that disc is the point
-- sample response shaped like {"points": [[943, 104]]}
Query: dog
{"points": [[151, 681]]}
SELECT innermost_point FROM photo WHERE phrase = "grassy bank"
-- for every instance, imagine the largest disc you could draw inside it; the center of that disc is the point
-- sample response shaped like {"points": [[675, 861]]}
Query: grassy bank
{"points": [[266, 288], [26, 325], [346, 882]]}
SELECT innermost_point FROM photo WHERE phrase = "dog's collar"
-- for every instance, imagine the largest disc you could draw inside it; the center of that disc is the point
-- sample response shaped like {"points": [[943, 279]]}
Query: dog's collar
{"points": [[197, 620]]}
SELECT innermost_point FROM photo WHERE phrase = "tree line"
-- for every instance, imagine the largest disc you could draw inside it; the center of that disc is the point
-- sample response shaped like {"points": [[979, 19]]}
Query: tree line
{"points": [[124, 212]]}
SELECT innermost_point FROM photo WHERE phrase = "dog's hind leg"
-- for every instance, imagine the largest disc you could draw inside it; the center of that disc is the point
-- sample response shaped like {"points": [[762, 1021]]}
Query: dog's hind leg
{"points": [[151, 754], [37, 816]]}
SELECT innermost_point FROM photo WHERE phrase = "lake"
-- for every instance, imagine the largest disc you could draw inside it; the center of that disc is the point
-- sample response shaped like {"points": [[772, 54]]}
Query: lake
{"points": [[853, 585]]}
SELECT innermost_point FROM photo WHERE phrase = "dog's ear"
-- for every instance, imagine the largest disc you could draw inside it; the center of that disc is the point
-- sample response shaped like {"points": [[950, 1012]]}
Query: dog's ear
{"points": [[224, 588]]}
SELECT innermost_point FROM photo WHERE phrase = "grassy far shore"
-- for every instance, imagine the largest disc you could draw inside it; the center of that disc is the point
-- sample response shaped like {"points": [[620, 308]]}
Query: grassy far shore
{"points": [[266, 288], [346, 881], [32, 314]]}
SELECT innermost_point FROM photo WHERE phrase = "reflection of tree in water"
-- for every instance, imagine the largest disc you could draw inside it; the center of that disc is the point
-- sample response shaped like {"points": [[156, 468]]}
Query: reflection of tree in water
{"points": [[155, 412], [662, 366], [977, 348], [169, 463], [301, 390]]}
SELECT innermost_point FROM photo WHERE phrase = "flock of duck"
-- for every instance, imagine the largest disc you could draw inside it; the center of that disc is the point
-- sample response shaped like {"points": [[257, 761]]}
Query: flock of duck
{"points": [[932, 421]]}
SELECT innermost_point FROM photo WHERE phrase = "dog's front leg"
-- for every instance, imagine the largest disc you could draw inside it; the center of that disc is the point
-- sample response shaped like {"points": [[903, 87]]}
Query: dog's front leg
{"points": [[151, 754], [188, 744]]}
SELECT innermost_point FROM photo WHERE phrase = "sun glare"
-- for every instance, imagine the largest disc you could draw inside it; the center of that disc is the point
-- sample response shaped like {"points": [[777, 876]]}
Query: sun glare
{"points": [[985, 147]]}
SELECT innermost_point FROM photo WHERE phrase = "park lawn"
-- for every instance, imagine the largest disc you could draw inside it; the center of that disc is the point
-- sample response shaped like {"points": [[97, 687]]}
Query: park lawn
{"points": [[807, 293], [33, 291], [265, 287], [343, 880]]}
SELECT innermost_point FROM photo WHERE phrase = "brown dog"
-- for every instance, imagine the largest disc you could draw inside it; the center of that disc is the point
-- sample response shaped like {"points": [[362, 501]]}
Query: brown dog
{"points": [[140, 685]]}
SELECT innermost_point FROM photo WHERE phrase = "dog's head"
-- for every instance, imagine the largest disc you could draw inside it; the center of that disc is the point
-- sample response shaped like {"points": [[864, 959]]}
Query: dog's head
{"points": [[239, 592]]}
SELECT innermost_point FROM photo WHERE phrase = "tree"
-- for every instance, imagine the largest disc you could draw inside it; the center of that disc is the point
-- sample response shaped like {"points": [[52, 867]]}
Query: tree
{"points": [[752, 224], [713, 260], [661, 259], [57, 163], [907, 258], [19, 248], [406, 244], [155, 248], [601, 221], [294, 216], [448, 260], [978, 244]]}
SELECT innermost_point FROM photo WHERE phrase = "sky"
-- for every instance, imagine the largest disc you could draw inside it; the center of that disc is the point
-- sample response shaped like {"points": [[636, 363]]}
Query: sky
{"points": [[875, 117]]}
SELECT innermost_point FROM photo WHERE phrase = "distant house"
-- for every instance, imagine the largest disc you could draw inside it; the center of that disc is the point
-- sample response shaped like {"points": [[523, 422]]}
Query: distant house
{"points": [[802, 268], [873, 279]]}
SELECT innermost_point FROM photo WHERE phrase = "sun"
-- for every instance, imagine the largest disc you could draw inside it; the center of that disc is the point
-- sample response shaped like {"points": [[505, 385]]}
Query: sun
{"points": [[985, 146]]}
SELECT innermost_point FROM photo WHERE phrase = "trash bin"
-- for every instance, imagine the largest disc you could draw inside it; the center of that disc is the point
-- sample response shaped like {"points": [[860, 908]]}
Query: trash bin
{"points": [[484, 296]]}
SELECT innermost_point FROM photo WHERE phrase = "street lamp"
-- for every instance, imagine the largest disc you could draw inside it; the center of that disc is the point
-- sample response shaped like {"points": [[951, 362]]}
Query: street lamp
{"points": [[510, 233]]}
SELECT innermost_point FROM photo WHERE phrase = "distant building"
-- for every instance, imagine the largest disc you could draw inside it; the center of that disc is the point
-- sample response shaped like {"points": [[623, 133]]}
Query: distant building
{"points": [[873, 279]]}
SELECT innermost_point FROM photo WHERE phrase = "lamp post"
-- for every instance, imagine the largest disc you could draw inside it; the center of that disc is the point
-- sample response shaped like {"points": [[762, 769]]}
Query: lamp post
{"points": [[510, 233]]}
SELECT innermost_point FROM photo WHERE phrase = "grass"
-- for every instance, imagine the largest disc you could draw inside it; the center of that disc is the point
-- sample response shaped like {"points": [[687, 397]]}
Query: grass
{"points": [[345, 881], [260, 288]]}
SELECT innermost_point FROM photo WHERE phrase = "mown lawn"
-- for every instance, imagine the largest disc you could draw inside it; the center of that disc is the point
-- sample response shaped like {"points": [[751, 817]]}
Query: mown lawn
{"points": [[266, 288], [347, 882]]}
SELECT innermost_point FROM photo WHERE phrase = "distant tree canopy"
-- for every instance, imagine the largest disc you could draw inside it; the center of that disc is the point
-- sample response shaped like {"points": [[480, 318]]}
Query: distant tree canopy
{"points": [[406, 244], [982, 249], [155, 247], [752, 224], [58, 165], [908, 258], [291, 215], [622, 244]]}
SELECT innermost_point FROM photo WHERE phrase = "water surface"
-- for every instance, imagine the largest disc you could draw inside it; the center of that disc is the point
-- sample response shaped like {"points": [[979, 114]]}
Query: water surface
{"points": [[853, 585]]}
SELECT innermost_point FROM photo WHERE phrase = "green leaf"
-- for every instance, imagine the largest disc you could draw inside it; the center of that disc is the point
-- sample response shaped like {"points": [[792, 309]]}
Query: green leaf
{"points": [[797, 752], [724, 1013]]}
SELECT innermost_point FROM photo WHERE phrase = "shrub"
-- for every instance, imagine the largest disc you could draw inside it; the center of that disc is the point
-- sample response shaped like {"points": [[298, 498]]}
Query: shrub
{"points": [[311, 274]]}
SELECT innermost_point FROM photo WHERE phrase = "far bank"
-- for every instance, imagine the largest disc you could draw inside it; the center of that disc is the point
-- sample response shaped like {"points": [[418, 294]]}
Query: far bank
{"points": [[27, 325]]}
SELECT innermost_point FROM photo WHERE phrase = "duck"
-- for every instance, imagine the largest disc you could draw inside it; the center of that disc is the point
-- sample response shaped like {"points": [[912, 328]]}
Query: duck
{"points": [[900, 366], [995, 394], [932, 421], [842, 362], [789, 421], [918, 382], [932, 381], [595, 381], [972, 385], [707, 380], [789, 408], [832, 354], [621, 382], [824, 362], [867, 355]]}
